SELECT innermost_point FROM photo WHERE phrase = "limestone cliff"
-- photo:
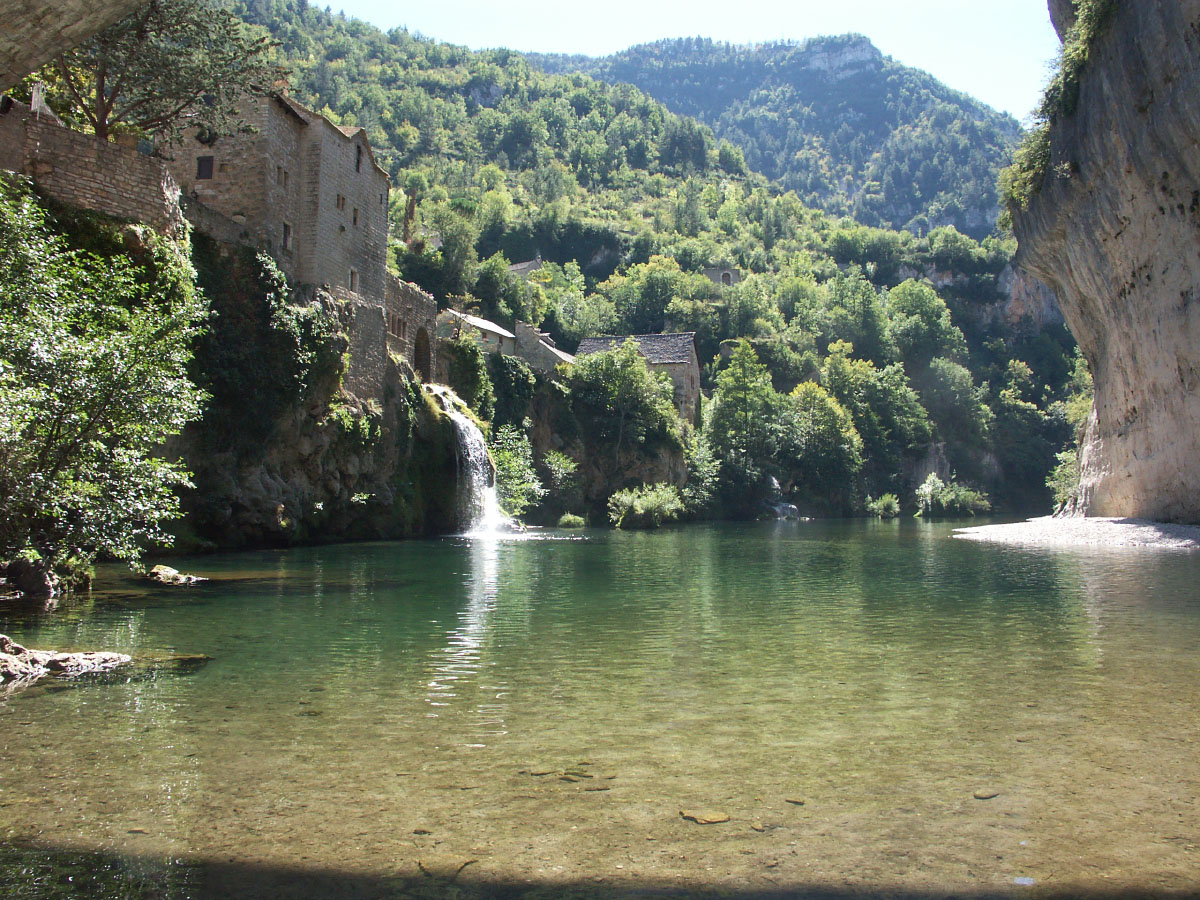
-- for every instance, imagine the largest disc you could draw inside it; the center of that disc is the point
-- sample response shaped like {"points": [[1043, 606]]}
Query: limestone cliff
{"points": [[1115, 231]]}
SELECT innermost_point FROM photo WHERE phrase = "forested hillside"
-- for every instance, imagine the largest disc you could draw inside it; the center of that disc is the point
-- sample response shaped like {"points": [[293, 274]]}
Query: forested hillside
{"points": [[494, 161], [850, 130]]}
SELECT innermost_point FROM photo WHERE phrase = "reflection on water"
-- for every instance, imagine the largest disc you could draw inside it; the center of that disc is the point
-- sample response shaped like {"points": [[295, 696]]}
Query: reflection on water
{"points": [[547, 707]]}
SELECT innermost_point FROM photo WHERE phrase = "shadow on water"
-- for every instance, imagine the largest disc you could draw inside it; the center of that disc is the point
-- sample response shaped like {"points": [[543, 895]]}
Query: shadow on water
{"points": [[33, 871]]}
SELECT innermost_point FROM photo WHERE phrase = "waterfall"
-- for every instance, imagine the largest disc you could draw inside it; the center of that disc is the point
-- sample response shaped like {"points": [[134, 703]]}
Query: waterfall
{"points": [[479, 510]]}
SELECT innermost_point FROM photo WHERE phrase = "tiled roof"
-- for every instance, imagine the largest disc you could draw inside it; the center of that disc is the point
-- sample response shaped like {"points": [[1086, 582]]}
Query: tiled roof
{"points": [[659, 349]]}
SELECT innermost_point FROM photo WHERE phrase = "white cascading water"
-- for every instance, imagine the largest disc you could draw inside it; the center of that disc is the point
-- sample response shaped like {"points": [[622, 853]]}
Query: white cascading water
{"points": [[479, 510]]}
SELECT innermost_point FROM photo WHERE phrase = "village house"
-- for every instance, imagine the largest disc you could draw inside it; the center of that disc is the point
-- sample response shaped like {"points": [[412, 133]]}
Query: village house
{"points": [[312, 195], [674, 354]]}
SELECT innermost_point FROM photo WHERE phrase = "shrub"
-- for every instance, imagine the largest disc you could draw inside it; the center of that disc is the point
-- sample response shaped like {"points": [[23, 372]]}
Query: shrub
{"points": [[468, 373], [648, 506], [886, 507], [570, 520], [936, 498]]}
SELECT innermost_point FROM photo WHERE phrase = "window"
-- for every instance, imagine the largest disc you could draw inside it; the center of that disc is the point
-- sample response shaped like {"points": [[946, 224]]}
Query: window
{"points": [[355, 216], [353, 281], [287, 236], [279, 174], [204, 168], [341, 202], [358, 157]]}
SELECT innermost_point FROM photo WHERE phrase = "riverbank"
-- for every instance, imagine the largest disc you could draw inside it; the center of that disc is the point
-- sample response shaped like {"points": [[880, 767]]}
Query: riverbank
{"points": [[1049, 531]]}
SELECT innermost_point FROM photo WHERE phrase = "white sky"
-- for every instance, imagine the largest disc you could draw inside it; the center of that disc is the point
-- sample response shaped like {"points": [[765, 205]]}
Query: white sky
{"points": [[995, 51]]}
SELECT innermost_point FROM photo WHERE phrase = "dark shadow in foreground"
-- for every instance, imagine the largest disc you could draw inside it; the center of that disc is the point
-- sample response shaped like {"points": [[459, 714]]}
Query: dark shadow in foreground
{"points": [[31, 871]]}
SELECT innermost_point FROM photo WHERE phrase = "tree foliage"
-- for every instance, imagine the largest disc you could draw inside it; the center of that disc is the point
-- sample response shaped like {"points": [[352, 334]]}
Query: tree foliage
{"points": [[93, 356], [169, 65]]}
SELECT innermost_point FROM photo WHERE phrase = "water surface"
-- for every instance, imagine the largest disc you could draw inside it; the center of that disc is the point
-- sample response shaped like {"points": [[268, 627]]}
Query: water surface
{"points": [[530, 717]]}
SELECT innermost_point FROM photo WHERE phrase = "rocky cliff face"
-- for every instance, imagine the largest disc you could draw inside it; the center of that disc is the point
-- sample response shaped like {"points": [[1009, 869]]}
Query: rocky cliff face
{"points": [[1115, 231]]}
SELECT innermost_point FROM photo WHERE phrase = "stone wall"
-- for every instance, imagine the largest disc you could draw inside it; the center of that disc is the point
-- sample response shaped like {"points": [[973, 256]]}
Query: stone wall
{"points": [[537, 349], [409, 311], [77, 170], [36, 31], [367, 331]]}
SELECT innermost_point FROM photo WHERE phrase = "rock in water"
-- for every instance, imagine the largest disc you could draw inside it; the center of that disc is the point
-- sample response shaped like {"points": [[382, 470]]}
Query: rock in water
{"points": [[167, 575]]}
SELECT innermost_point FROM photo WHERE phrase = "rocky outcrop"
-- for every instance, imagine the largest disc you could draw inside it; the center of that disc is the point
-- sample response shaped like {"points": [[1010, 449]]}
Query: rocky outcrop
{"points": [[1115, 232], [21, 665]]}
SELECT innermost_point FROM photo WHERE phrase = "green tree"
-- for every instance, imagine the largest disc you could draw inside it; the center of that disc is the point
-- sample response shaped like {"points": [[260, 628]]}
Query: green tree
{"points": [[742, 430], [168, 66], [622, 401], [820, 448], [93, 357], [920, 327], [517, 484]]}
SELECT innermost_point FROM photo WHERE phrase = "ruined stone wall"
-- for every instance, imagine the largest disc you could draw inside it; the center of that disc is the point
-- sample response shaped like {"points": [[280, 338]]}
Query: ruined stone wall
{"points": [[77, 170], [35, 31]]}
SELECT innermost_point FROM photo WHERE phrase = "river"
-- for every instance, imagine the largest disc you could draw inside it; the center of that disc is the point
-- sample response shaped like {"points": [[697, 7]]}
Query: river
{"points": [[876, 708]]}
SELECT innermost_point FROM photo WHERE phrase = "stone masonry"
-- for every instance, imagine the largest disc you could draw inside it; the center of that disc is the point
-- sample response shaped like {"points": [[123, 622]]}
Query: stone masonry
{"points": [[35, 31], [77, 170], [306, 191]]}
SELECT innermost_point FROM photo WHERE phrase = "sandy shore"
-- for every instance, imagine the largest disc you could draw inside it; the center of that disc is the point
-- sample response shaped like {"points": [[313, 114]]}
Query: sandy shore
{"points": [[1079, 532]]}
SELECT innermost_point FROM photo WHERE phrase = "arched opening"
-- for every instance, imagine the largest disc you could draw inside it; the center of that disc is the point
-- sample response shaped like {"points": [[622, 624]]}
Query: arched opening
{"points": [[421, 357]]}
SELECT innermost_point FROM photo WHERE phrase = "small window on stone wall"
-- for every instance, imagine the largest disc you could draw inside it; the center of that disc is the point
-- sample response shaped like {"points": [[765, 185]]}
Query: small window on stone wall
{"points": [[341, 202], [356, 216], [204, 168], [285, 179], [353, 281], [358, 157], [287, 236]]}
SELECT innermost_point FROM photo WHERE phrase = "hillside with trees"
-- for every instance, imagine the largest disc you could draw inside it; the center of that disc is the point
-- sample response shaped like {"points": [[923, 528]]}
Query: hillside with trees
{"points": [[850, 130], [494, 161]]}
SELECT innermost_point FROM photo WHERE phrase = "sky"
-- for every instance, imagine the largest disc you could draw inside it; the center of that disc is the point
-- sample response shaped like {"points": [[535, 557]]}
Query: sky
{"points": [[997, 52]]}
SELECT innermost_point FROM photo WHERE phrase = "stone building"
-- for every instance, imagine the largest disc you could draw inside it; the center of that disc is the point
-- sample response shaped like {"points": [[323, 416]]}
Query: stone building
{"points": [[674, 354], [298, 187], [539, 350], [723, 276], [312, 195]]}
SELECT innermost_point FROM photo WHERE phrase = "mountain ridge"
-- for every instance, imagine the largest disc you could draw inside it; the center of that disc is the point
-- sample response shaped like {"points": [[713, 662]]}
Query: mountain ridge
{"points": [[847, 127]]}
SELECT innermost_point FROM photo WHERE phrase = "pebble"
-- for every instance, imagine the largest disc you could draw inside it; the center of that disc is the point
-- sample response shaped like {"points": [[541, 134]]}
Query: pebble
{"points": [[795, 801], [985, 794], [704, 817]]}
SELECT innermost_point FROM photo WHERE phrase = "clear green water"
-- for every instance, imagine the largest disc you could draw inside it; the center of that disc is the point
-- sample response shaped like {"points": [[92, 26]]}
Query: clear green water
{"points": [[537, 713]]}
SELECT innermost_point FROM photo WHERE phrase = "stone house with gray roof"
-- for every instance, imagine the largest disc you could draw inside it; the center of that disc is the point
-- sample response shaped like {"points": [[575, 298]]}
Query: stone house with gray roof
{"points": [[674, 354]]}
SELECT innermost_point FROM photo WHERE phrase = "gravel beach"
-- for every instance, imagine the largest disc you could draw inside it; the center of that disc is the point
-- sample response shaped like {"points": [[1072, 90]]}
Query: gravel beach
{"points": [[1049, 531]]}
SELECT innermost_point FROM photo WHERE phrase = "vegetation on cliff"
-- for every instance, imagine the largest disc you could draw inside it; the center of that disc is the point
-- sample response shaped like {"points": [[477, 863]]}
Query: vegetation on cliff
{"points": [[1021, 181]]}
